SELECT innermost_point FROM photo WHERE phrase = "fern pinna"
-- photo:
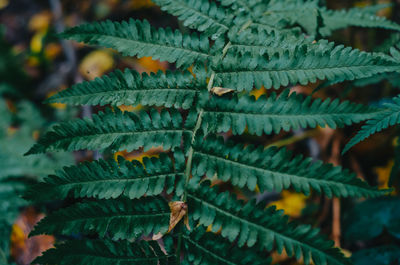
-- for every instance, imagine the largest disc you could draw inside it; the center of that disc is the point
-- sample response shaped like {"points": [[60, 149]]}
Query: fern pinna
{"points": [[237, 50]]}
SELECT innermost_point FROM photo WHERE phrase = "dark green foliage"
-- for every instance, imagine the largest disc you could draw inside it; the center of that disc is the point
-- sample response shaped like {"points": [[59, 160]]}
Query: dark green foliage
{"points": [[109, 179], [253, 225], [117, 131], [384, 255], [274, 169], [138, 38], [106, 252], [121, 218], [173, 89], [371, 218], [243, 45], [275, 113], [210, 249]]}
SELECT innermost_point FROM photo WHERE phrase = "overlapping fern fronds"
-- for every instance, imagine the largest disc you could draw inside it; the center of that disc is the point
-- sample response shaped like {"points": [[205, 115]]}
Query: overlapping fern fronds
{"points": [[235, 52]]}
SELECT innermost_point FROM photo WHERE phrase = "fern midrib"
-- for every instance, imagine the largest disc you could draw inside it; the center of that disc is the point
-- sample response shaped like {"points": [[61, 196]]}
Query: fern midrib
{"points": [[99, 36], [208, 251], [124, 91], [251, 167], [121, 257], [109, 215], [268, 230], [119, 180], [150, 131], [291, 115], [262, 71]]}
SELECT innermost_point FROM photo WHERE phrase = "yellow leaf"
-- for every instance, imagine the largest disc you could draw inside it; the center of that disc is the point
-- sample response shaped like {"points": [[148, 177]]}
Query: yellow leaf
{"points": [[383, 174], [37, 41], [96, 63], [291, 203]]}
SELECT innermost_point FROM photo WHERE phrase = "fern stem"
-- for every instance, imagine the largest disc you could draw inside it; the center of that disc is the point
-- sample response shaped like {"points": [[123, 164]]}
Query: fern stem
{"points": [[188, 168]]}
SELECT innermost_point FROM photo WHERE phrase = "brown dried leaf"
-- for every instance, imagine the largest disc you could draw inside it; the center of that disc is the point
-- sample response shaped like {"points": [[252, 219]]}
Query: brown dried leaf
{"points": [[221, 90], [179, 210]]}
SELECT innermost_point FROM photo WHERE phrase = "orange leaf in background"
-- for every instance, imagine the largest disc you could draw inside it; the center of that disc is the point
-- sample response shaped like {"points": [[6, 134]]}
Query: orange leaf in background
{"points": [[138, 4], [23, 249], [52, 50], [137, 155], [3, 3], [40, 21], [148, 65], [124, 108], [258, 92]]}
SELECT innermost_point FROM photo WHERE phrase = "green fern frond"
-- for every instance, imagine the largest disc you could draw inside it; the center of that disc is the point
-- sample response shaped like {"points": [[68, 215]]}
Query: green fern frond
{"points": [[109, 179], [201, 15], [274, 169], [117, 131], [275, 113], [260, 41], [253, 225], [282, 14], [243, 72], [106, 252], [172, 89], [381, 121], [359, 17], [121, 218], [138, 38], [209, 249]]}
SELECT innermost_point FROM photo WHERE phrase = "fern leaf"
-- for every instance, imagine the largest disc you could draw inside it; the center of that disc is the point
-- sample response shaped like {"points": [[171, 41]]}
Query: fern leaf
{"points": [[138, 38], [176, 89], [274, 169], [243, 72], [109, 179], [258, 42], [359, 17], [122, 218], [117, 131], [254, 225], [201, 15], [381, 121], [208, 248], [106, 252], [273, 113]]}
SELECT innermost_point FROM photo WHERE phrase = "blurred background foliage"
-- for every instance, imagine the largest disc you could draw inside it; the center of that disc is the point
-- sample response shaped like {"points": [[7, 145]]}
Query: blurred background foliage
{"points": [[35, 64]]}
